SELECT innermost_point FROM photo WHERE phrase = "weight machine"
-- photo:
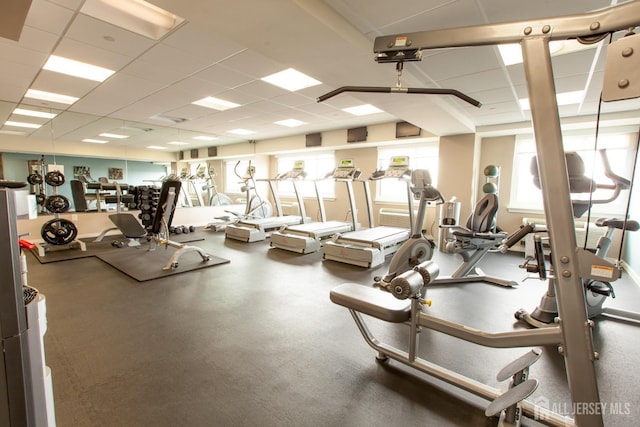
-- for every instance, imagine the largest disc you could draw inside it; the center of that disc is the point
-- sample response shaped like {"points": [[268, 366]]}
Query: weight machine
{"points": [[573, 331]]}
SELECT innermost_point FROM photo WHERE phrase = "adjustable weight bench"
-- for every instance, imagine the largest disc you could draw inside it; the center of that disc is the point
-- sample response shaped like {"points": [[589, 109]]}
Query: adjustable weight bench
{"points": [[162, 221]]}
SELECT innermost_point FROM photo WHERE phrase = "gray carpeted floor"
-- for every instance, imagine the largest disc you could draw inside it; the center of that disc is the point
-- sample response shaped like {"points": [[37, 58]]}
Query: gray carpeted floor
{"points": [[256, 342]]}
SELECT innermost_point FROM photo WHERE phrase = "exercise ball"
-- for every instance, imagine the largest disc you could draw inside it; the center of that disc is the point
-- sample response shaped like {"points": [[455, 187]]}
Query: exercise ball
{"points": [[490, 188], [491, 170]]}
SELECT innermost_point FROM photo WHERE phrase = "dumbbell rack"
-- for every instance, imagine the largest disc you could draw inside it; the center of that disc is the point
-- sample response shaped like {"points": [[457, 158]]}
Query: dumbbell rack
{"points": [[43, 247]]}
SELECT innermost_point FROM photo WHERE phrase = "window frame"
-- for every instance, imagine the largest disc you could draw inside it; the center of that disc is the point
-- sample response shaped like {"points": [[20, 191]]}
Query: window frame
{"points": [[423, 155], [620, 145]]}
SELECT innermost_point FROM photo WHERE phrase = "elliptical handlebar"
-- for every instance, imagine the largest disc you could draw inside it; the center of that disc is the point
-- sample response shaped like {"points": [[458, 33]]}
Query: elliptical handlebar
{"points": [[619, 182]]}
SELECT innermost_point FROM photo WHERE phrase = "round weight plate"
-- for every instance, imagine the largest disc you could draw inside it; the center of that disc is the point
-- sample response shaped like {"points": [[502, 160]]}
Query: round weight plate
{"points": [[57, 204], [40, 199], [59, 231], [54, 178], [34, 178]]}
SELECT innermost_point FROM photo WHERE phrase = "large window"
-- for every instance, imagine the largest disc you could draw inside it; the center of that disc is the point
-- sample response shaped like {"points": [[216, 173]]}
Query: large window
{"points": [[525, 196], [316, 166], [421, 156]]}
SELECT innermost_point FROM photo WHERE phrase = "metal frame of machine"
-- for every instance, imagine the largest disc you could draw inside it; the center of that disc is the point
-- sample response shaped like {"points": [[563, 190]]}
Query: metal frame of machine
{"points": [[573, 332]]}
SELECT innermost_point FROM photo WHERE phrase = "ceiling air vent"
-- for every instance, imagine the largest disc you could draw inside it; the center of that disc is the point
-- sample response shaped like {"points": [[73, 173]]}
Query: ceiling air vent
{"points": [[168, 119]]}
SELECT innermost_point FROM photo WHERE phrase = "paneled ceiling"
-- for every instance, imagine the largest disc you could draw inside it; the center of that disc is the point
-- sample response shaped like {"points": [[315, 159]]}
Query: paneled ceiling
{"points": [[224, 48]]}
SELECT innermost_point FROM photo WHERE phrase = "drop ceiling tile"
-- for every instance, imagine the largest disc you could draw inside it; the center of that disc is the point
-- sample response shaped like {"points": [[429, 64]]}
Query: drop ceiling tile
{"points": [[188, 39], [107, 36], [292, 99], [63, 84], [223, 76], [261, 89], [490, 79], [453, 63], [35, 40], [73, 49], [165, 56], [253, 63], [504, 10], [49, 17], [15, 79], [69, 4], [115, 93], [163, 76], [15, 54]]}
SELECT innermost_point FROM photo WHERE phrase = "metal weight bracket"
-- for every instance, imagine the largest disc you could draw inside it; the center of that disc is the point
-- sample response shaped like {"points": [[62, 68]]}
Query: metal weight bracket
{"points": [[622, 69]]}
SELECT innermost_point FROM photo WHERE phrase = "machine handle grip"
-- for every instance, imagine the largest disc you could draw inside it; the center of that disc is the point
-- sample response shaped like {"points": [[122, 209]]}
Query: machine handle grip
{"points": [[516, 236]]}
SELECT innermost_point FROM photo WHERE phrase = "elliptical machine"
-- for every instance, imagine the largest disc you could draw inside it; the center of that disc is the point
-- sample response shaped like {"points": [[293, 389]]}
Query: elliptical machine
{"points": [[255, 206]]}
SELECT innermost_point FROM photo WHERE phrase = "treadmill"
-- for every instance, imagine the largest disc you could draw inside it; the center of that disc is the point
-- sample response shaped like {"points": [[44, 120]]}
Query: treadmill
{"points": [[256, 229], [306, 238], [369, 247]]}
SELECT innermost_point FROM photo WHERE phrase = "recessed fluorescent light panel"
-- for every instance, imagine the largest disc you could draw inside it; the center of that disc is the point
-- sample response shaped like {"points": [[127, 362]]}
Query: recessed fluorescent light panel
{"points": [[22, 124], [362, 110], [74, 68], [156, 147], [134, 15], [50, 96], [177, 143], [95, 141], [205, 138], [291, 123], [565, 98], [33, 113], [215, 103], [291, 79], [114, 135], [241, 131]]}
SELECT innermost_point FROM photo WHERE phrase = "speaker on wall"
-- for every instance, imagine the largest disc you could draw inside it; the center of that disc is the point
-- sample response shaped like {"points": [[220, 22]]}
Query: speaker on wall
{"points": [[313, 140], [212, 151], [357, 134], [406, 129], [194, 153]]}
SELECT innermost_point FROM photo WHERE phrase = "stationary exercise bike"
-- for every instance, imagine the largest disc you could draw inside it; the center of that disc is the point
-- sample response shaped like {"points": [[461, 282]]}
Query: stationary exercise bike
{"points": [[596, 288], [418, 248]]}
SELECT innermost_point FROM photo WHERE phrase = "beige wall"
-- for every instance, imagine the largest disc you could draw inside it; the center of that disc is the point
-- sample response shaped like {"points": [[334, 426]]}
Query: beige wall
{"points": [[457, 171]]}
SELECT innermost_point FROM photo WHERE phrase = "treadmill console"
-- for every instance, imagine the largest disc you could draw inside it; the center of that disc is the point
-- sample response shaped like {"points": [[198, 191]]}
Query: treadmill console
{"points": [[346, 170], [249, 173], [398, 167], [296, 173]]}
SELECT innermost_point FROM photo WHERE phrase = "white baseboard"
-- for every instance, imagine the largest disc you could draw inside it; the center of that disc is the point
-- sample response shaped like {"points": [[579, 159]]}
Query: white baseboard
{"points": [[632, 273]]}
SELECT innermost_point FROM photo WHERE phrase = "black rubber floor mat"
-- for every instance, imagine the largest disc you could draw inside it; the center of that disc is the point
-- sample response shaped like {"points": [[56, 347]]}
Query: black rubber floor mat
{"points": [[142, 264]]}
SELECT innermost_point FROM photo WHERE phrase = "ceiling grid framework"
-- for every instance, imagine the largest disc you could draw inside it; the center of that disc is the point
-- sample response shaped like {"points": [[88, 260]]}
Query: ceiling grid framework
{"points": [[224, 49]]}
